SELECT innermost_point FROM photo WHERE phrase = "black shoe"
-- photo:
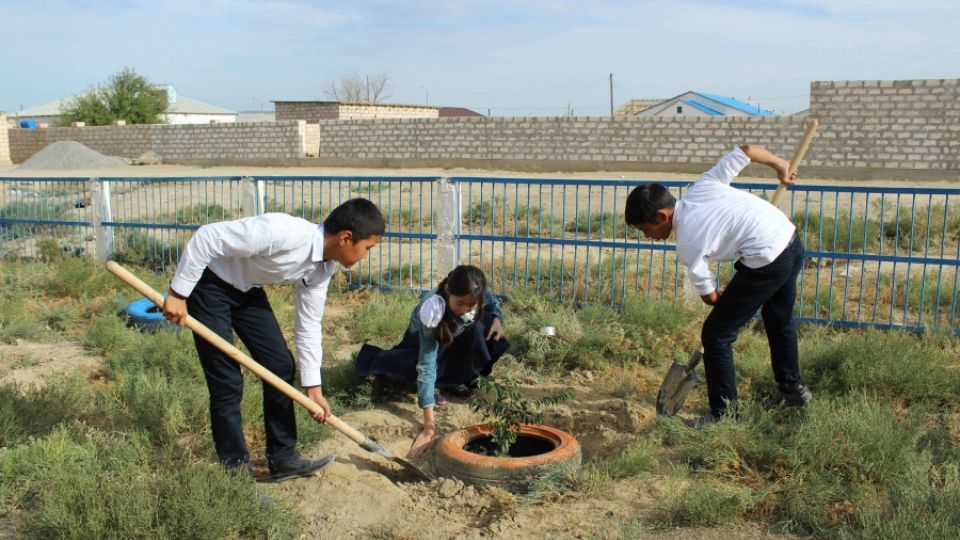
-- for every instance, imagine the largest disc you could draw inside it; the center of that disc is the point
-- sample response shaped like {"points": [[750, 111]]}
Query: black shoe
{"points": [[297, 467], [800, 396]]}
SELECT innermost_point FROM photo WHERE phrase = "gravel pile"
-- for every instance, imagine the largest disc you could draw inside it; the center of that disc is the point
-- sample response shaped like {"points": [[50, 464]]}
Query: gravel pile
{"points": [[69, 155]]}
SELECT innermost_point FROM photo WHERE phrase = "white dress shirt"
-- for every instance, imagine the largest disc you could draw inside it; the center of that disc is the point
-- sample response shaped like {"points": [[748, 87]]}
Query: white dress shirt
{"points": [[268, 249], [716, 222]]}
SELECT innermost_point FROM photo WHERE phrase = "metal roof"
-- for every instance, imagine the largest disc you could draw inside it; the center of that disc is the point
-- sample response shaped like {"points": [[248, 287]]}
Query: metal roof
{"points": [[736, 104], [702, 107]]}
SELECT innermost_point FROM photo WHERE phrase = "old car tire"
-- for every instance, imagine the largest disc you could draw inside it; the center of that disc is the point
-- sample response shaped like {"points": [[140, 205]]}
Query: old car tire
{"points": [[510, 473]]}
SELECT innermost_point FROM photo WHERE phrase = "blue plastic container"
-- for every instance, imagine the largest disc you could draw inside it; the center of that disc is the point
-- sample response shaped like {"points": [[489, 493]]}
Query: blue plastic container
{"points": [[29, 124]]}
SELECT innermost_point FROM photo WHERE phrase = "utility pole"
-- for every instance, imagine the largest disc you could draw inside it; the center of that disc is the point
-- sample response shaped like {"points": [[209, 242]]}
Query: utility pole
{"points": [[611, 95]]}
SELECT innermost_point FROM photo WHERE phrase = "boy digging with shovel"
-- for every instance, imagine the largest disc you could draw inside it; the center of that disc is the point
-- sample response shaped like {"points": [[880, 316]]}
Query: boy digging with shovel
{"points": [[716, 222], [220, 280]]}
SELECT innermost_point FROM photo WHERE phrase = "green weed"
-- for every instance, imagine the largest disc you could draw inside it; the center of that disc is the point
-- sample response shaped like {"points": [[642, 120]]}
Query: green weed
{"points": [[601, 224], [383, 319], [83, 483], [706, 503]]}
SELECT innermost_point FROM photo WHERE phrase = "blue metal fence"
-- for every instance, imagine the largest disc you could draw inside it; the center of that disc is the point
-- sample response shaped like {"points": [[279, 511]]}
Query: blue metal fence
{"points": [[878, 256]]}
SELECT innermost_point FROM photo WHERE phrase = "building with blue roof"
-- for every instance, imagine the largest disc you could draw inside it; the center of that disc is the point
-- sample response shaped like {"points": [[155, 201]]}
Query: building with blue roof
{"points": [[703, 104]]}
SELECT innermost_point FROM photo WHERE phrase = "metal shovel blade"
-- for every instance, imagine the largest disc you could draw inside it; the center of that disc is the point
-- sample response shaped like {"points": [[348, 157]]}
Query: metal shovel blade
{"points": [[371, 445], [677, 384]]}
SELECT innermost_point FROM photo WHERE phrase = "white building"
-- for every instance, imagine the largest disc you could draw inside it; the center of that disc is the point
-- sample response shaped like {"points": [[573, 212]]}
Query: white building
{"points": [[181, 110]]}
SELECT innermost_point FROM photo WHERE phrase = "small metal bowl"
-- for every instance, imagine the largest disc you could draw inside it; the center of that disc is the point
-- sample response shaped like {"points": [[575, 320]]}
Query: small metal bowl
{"points": [[548, 331]]}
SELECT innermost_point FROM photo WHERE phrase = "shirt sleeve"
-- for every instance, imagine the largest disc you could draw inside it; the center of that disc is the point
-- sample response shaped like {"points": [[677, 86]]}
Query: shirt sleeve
{"points": [[239, 238], [310, 300], [698, 270], [426, 364], [493, 305], [431, 311], [727, 168]]}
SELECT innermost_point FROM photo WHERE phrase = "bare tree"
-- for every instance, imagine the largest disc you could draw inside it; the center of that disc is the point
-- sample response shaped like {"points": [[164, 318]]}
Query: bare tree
{"points": [[370, 88]]}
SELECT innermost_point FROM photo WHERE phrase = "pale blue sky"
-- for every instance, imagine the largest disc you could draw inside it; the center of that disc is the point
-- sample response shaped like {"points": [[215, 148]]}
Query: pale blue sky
{"points": [[512, 58]]}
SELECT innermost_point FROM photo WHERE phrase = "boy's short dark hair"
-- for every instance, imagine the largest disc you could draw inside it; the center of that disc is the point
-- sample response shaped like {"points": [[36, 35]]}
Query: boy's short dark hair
{"points": [[359, 216], [644, 201]]}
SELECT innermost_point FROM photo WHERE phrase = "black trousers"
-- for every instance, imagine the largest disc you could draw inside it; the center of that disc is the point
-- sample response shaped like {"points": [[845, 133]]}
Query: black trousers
{"points": [[224, 309], [773, 290]]}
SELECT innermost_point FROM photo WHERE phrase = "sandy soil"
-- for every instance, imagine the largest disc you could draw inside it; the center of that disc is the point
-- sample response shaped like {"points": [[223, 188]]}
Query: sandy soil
{"points": [[362, 495], [31, 365]]}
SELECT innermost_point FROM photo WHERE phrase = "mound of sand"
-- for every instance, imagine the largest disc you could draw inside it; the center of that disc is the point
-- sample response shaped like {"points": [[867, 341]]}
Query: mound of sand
{"points": [[69, 155]]}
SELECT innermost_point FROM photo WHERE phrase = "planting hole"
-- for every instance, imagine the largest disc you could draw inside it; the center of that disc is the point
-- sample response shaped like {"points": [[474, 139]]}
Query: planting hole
{"points": [[525, 446]]}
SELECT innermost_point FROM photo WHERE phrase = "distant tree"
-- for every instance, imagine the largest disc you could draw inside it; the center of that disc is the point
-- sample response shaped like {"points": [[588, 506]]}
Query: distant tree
{"points": [[371, 88], [128, 96]]}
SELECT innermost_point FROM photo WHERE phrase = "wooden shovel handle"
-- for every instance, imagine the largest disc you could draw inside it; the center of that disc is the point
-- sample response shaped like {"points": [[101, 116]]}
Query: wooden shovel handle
{"points": [[797, 157], [236, 354]]}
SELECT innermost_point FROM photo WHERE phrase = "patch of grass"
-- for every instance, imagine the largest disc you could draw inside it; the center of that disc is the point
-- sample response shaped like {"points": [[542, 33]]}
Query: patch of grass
{"points": [[886, 365], [406, 219], [841, 233], [706, 503], [384, 318], [601, 224], [145, 251], [395, 276], [927, 502], [485, 212], [371, 188], [930, 296], [76, 277], [198, 214], [17, 320], [854, 439], [305, 211], [25, 415], [342, 386], [40, 209], [83, 483], [918, 225], [555, 479], [636, 459]]}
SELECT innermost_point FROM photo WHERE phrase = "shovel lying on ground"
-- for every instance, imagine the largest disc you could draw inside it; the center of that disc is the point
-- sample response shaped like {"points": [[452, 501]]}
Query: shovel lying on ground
{"points": [[266, 375], [681, 378]]}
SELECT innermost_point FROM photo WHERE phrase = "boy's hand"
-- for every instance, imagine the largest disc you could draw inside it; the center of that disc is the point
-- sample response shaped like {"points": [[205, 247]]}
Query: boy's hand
{"points": [[175, 308], [784, 174], [316, 394], [710, 299]]}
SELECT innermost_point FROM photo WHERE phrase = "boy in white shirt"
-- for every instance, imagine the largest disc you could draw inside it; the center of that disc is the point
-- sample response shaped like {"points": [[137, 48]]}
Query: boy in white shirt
{"points": [[716, 222], [220, 280]]}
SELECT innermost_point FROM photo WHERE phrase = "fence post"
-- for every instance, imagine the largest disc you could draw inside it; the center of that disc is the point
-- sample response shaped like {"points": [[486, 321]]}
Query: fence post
{"points": [[103, 235], [448, 226], [251, 196]]}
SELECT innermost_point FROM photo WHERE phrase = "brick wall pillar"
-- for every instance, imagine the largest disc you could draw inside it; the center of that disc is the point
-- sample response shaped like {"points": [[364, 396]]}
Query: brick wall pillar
{"points": [[4, 141]]}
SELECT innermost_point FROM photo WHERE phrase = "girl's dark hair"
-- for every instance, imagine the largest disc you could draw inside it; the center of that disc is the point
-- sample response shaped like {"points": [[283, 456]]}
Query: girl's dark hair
{"points": [[359, 216], [644, 201], [461, 281]]}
